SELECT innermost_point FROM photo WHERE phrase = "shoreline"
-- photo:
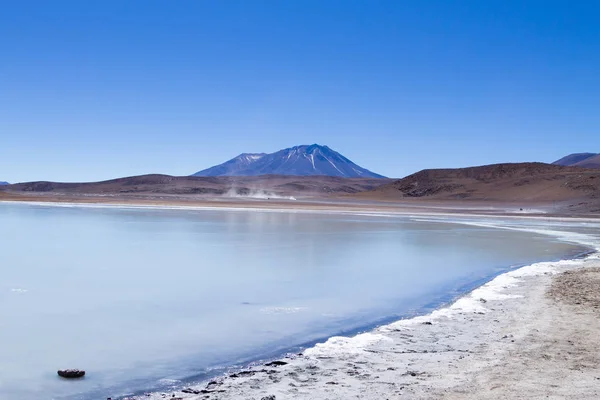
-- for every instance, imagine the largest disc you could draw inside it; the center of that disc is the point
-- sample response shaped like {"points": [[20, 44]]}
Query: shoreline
{"points": [[424, 357], [333, 207], [324, 203]]}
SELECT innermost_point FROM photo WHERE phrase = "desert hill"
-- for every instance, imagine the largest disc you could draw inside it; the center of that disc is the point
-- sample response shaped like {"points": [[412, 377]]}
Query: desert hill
{"points": [[520, 182], [560, 189], [591, 162], [192, 185], [584, 160]]}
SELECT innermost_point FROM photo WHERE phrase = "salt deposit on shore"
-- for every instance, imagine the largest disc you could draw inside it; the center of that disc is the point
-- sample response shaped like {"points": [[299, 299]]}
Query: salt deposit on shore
{"points": [[529, 333]]}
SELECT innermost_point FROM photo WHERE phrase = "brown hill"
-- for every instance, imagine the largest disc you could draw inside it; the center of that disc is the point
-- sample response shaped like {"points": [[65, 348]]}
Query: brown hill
{"points": [[522, 182], [573, 159], [591, 162], [192, 185], [584, 160]]}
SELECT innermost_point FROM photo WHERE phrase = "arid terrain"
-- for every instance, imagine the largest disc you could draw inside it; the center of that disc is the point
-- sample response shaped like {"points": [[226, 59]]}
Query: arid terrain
{"points": [[552, 188], [568, 188], [278, 185], [164, 190], [584, 160]]}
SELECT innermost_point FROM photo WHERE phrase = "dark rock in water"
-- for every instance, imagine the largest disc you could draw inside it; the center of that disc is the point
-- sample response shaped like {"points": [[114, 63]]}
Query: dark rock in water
{"points": [[275, 363], [213, 384], [242, 373], [71, 373], [271, 397], [207, 391]]}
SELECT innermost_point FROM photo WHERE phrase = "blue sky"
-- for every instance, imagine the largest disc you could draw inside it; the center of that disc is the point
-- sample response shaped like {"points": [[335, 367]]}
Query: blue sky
{"points": [[94, 90]]}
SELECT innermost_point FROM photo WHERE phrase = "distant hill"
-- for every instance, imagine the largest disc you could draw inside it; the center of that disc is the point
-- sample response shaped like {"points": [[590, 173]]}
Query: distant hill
{"points": [[520, 182], [590, 162], [584, 160], [555, 188], [228, 186], [3, 183], [299, 160]]}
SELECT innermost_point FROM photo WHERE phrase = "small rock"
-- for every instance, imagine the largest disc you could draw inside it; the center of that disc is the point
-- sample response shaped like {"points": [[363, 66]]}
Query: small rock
{"points": [[242, 373], [270, 397], [483, 300], [427, 323], [213, 384], [275, 363], [71, 373]]}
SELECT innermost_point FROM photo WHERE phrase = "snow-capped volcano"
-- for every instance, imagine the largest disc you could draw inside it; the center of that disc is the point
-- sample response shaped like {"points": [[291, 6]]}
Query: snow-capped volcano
{"points": [[298, 160]]}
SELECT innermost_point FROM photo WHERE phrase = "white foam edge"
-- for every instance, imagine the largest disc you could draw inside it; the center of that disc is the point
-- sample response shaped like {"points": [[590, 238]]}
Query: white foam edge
{"points": [[497, 289]]}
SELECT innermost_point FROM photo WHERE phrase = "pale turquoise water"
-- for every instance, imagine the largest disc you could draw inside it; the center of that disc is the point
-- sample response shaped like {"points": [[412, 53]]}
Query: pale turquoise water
{"points": [[136, 296]]}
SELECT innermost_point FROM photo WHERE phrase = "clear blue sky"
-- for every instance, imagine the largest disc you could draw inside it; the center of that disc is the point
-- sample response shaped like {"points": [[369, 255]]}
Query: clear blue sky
{"points": [[94, 90]]}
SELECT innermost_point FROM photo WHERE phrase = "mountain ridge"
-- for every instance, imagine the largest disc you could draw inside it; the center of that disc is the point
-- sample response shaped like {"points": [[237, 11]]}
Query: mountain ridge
{"points": [[302, 160], [584, 160]]}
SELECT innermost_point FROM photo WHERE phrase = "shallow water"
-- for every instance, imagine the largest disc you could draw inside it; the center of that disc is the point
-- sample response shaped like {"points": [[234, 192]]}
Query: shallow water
{"points": [[141, 298]]}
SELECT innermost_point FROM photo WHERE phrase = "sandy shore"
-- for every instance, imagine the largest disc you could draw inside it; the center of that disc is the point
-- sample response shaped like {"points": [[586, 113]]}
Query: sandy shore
{"points": [[323, 203], [528, 334]]}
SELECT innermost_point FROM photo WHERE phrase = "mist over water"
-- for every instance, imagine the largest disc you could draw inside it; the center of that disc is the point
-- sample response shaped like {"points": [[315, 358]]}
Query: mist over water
{"points": [[139, 297], [255, 194]]}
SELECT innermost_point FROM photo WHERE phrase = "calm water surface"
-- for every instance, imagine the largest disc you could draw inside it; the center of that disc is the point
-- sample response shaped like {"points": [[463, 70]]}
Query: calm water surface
{"points": [[142, 297]]}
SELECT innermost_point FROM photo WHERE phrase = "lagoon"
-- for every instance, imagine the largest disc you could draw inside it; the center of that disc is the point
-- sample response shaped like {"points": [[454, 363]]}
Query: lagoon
{"points": [[146, 298]]}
